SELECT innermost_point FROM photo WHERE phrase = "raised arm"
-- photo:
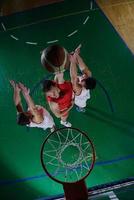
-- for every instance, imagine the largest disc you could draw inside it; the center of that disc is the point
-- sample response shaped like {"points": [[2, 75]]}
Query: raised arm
{"points": [[73, 74], [25, 91], [73, 69], [16, 96], [59, 78], [26, 94], [82, 66]]}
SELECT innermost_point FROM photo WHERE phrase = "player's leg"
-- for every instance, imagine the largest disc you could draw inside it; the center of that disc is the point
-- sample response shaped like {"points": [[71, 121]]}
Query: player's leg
{"points": [[49, 122], [64, 121]]}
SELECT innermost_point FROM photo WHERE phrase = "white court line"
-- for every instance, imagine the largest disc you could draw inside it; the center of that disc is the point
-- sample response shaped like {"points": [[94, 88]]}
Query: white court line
{"points": [[15, 38], [112, 196], [72, 33], [86, 20], [45, 20], [91, 5], [52, 41], [3, 26], [49, 19], [33, 43], [95, 9]]}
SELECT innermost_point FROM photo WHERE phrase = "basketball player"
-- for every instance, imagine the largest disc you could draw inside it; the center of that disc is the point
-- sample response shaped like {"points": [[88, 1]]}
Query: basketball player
{"points": [[81, 84], [35, 116], [60, 96]]}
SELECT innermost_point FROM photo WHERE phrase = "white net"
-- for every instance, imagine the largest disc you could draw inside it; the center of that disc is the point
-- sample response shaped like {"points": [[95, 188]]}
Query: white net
{"points": [[68, 155]]}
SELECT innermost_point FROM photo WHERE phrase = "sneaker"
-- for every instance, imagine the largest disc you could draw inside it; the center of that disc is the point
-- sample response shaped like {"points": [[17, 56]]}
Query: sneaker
{"points": [[66, 124], [79, 109]]}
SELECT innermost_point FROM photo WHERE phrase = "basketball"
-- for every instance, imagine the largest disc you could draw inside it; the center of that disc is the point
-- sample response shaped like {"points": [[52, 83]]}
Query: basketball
{"points": [[55, 58]]}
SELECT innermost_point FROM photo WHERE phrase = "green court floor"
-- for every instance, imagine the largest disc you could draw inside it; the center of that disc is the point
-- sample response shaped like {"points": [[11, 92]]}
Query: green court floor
{"points": [[111, 62]]}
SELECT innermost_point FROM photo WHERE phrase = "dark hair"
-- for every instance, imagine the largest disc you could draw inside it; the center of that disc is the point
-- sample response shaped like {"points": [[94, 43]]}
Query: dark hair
{"points": [[23, 119], [90, 83], [47, 84]]}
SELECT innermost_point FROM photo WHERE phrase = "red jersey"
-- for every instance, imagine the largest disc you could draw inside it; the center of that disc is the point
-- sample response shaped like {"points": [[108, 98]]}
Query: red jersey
{"points": [[64, 101]]}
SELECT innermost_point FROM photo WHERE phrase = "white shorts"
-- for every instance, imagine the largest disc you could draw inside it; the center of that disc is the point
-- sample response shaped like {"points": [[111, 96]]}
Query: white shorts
{"points": [[48, 122]]}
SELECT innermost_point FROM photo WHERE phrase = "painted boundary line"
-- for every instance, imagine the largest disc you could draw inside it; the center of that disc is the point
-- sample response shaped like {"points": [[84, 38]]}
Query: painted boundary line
{"points": [[46, 20], [5, 29]]}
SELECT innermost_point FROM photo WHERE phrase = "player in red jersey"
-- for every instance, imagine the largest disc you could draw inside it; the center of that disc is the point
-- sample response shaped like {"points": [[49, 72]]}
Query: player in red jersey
{"points": [[60, 96]]}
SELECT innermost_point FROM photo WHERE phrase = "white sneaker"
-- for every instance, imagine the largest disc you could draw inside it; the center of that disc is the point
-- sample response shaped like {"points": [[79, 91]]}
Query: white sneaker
{"points": [[66, 124]]}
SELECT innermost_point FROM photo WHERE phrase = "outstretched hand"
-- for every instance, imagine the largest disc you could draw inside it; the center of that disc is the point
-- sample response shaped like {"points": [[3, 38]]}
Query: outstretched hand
{"points": [[74, 54], [12, 82], [15, 85], [77, 50], [73, 58], [24, 89]]}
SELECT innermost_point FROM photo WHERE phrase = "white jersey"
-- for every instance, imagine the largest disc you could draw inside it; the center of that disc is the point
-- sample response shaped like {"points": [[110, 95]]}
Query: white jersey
{"points": [[81, 99], [47, 122]]}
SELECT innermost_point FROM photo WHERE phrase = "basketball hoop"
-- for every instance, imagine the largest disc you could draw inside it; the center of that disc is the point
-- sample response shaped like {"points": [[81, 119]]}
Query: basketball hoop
{"points": [[68, 157]]}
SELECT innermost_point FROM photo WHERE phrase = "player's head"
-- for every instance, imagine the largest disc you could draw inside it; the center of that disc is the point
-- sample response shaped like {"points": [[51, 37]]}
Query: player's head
{"points": [[51, 89], [89, 83], [55, 58], [24, 118]]}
